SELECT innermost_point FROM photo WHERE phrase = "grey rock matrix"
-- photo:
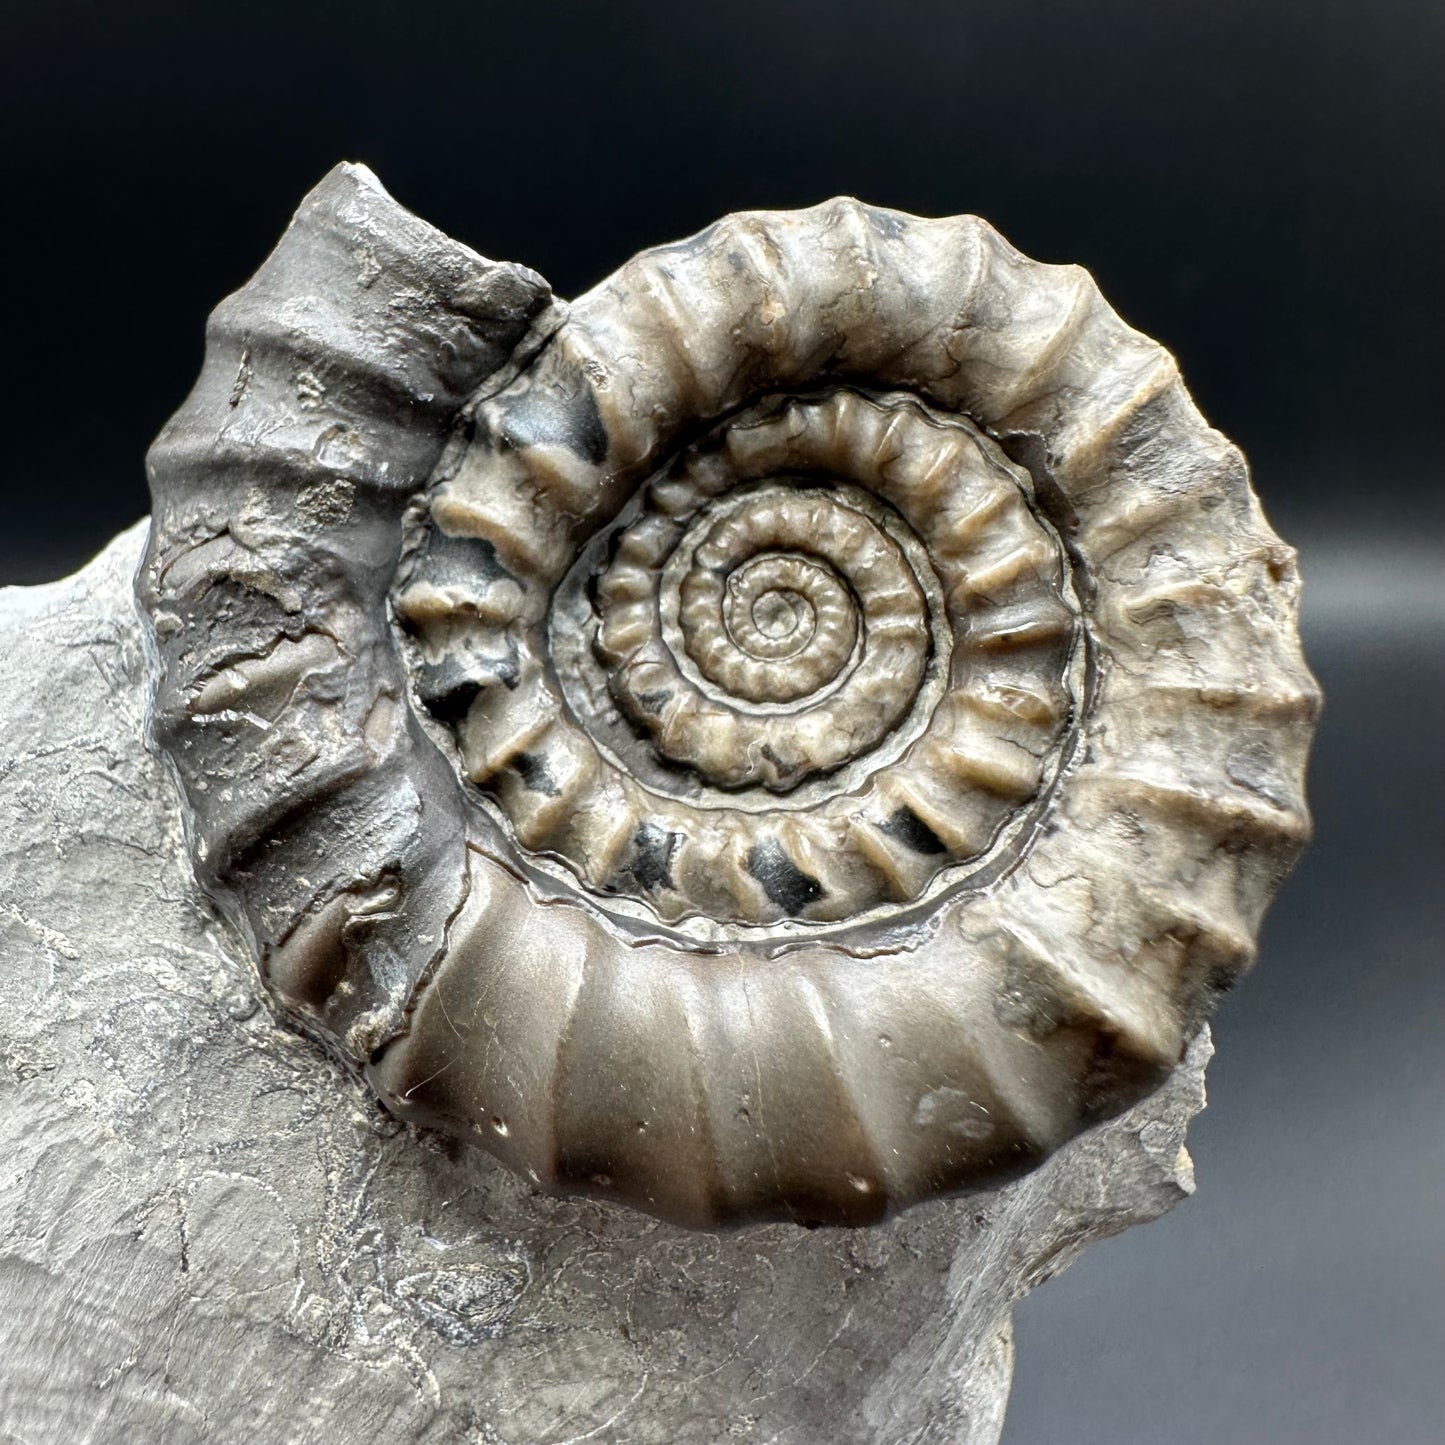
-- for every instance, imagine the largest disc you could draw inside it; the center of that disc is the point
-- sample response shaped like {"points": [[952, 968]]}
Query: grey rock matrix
{"points": [[210, 1232]]}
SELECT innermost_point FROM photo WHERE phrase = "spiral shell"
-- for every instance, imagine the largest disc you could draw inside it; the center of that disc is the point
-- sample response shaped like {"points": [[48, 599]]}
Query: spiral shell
{"points": [[825, 654], [809, 726]]}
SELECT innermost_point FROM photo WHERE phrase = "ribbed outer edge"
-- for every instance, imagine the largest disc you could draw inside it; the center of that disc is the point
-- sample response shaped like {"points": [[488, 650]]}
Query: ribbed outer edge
{"points": [[322, 819]]}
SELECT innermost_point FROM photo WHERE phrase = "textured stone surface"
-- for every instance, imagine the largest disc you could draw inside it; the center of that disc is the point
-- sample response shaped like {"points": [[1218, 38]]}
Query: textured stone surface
{"points": [[208, 1231]]}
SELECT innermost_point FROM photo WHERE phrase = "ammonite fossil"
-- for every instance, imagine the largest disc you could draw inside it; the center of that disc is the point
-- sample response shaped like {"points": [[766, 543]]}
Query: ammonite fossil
{"points": [[809, 726]]}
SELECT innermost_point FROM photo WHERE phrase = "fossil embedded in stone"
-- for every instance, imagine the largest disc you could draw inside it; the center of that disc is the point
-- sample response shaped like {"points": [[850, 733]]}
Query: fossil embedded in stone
{"points": [[769, 730]]}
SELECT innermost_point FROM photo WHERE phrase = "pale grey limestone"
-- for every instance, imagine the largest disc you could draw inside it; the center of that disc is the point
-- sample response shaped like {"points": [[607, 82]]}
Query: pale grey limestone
{"points": [[211, 1232]]}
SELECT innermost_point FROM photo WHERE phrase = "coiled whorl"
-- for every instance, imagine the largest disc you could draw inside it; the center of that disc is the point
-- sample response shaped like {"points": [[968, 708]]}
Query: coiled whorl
{"points": [[875, 719]]}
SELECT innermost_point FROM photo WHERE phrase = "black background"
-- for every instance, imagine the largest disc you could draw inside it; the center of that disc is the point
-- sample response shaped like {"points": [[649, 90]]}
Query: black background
{"points": [[1259, 185]]}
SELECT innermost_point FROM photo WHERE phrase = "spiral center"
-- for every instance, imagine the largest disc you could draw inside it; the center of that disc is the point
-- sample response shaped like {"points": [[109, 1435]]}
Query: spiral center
{"points": [[784, 616], [771, 611], [788, 624]]}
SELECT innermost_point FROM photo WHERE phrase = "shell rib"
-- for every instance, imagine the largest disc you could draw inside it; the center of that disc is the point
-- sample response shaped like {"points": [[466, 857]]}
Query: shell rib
{"points": [[325, 822], [858, 718]]}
